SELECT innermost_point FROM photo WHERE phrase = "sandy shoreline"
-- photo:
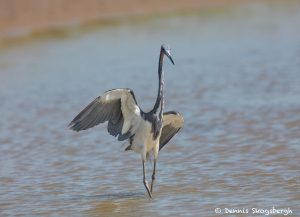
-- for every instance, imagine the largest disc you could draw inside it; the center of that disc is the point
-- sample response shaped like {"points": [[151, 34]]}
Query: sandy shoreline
{"points": [[19, 18]]}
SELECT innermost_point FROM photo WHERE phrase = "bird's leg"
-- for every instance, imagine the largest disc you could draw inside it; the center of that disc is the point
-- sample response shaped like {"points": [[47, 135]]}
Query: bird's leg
{"points": [[145, 181], [153, 175], [155, 155]]}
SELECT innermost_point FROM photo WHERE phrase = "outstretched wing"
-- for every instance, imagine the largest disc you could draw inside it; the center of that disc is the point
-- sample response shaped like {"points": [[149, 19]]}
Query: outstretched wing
{"points": [[118, 107], [172, 123]]}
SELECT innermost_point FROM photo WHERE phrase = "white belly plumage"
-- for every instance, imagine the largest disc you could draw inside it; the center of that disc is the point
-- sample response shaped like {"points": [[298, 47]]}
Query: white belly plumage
{"points": [[143, 139]]}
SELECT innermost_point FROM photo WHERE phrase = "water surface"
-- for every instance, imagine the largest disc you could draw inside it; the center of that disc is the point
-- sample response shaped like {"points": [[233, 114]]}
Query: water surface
{"points": [[236, 81]]}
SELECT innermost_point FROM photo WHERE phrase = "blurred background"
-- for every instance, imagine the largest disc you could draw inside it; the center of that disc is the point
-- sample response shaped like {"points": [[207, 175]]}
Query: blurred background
{"points": [[236, 81]]}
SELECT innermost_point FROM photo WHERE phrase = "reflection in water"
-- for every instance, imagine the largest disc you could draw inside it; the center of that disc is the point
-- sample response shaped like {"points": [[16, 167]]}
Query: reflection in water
{"points": [[236, 82], [118, 204]]}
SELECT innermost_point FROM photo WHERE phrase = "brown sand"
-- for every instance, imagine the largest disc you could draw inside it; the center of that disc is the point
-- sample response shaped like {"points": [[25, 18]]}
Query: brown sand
{"points": [[21, 17]]}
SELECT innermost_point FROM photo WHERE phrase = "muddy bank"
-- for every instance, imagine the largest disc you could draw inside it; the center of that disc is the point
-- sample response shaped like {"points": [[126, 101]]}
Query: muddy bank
{"points": [[19, 18]]}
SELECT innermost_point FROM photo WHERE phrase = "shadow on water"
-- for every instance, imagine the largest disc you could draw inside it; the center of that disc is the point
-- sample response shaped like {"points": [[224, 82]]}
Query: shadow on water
{"points": [[117, 204], [111, 196]]}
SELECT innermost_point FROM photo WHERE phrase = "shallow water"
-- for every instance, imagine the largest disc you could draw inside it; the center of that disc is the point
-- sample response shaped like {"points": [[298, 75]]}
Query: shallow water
{"points": [[236, 81]]}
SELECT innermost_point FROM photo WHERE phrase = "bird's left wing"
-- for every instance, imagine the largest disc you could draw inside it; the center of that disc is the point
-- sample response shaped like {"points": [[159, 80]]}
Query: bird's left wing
{"points": [[172, 123], [117, 106]]}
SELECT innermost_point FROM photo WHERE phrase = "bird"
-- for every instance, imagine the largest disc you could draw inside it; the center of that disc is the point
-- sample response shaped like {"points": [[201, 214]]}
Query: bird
{"points": [[146, 132]]}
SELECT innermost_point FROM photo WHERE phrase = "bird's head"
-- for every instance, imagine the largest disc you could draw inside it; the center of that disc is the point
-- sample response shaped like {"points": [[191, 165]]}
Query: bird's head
{"points": [[166, 50]]}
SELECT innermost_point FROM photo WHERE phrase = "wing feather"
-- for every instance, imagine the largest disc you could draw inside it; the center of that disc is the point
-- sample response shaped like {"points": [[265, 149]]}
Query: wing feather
{"points": [[115, 106], [172, 123]]}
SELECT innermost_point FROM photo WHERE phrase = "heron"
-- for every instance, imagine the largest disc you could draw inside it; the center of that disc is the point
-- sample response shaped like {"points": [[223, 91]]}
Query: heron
{"points": [[146, 132]]}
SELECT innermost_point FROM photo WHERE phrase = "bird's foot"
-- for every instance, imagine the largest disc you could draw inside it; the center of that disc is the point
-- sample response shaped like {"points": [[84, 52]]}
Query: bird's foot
{"points": [[147, 188]]}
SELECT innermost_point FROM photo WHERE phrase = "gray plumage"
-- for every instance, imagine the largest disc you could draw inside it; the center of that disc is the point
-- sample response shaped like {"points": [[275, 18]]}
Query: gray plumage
{"points": [[101, 110], [145, 132], [172, 123]]}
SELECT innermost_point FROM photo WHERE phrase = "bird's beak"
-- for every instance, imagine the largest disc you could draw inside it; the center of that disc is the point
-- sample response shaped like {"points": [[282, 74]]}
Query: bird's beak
{"points": [[169, 55]]}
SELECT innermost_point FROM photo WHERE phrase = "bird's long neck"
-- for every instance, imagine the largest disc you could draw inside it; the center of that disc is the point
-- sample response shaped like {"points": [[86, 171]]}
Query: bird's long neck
{"points": [[159, 104]]}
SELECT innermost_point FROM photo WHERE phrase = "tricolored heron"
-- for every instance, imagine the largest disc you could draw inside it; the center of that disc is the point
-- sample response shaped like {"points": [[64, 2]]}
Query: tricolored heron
{"points": [[146, 132]]}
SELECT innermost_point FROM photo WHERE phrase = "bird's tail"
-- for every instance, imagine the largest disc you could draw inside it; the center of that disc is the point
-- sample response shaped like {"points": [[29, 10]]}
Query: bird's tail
{"points": [[128, 148]]}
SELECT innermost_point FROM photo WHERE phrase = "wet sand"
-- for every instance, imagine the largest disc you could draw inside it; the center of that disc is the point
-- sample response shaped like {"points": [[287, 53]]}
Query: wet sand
{"points": [[19, 18]]}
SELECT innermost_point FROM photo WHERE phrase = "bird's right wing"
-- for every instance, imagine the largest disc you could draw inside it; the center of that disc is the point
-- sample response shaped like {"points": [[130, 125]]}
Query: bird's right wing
{"points": [[118, 107], [172, 123]]}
